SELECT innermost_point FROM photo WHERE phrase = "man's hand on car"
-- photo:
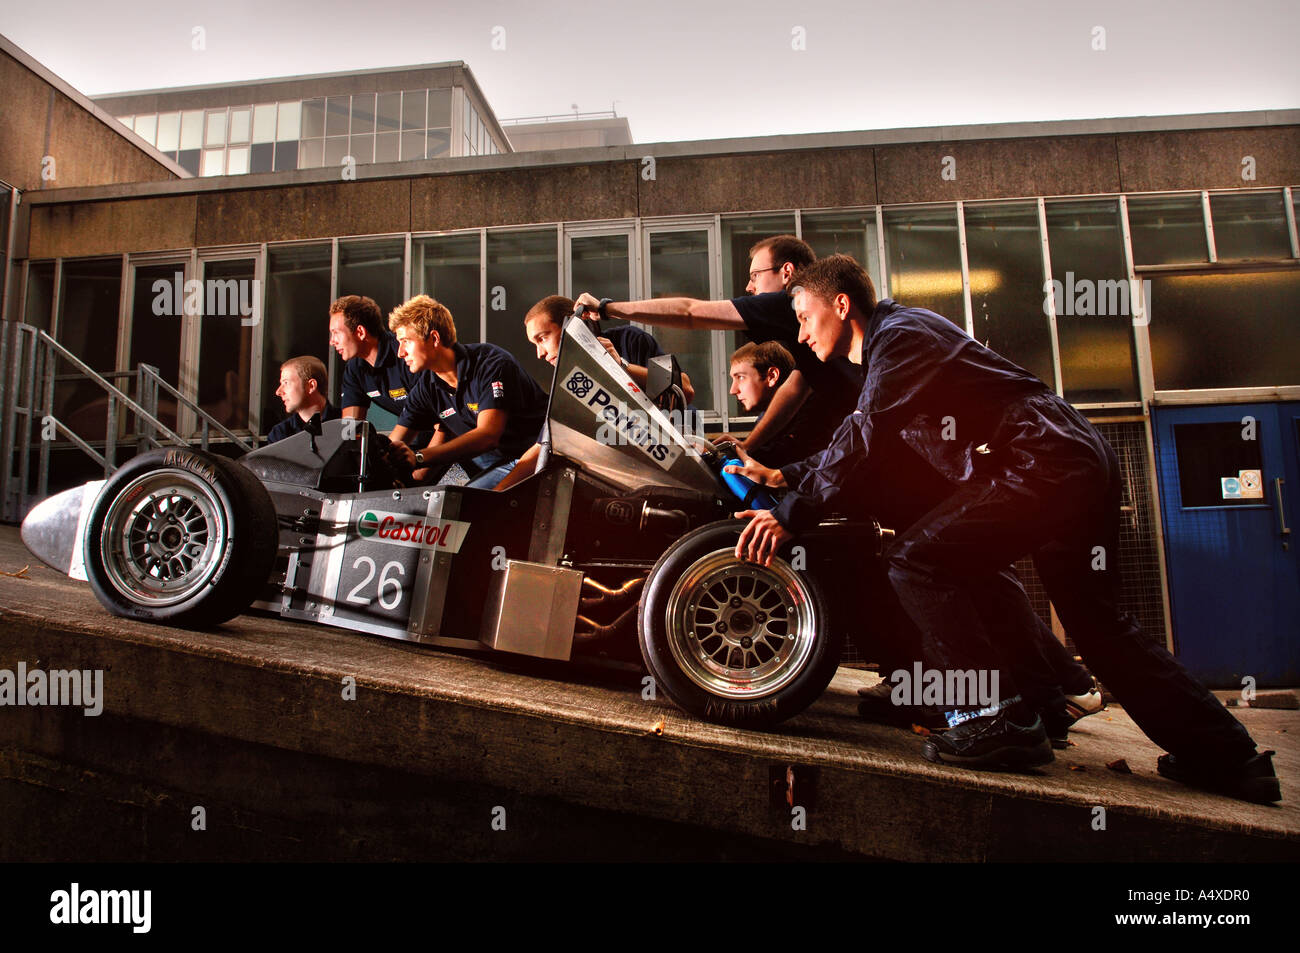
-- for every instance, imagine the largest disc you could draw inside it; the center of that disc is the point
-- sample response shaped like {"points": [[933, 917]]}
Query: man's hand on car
{"points": [[761, 538], [399, 454]]}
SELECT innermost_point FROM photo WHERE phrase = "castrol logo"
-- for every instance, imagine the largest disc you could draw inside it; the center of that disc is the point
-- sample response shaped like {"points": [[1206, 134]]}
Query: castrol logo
{"points": [[403, 529]]}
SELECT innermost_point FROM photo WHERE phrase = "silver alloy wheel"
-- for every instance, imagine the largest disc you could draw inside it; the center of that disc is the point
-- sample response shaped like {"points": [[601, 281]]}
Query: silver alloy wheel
{"points": [[164, 537], [739, 630]]}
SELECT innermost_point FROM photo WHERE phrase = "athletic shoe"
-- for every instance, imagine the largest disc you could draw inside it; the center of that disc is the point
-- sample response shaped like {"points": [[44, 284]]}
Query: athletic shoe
{"points": [[877, 704], [991, 741], [1254, 780], [1089, 703]]}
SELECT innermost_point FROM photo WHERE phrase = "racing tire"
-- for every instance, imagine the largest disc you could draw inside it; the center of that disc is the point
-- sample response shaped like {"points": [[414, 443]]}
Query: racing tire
{"points": [[732, 642], [182, 537]]}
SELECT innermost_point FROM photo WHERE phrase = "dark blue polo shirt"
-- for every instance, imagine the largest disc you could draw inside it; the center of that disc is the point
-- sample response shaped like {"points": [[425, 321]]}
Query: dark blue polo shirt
{"points": [[294, 423], [633, 345], [489, 378], [387, 383]]}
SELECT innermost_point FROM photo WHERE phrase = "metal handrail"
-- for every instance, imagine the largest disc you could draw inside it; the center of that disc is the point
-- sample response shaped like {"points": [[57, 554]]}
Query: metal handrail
{"points": [[113, 391], [149, 372], [557, 117]]}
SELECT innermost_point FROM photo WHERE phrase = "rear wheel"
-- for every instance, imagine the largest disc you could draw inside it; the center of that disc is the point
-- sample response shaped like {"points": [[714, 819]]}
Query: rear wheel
{"points": [[180, 536], [731, 641]]}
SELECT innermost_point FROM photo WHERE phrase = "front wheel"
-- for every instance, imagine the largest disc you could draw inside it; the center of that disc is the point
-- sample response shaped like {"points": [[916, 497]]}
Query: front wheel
{"points": [[180, 536], [733, 642]]}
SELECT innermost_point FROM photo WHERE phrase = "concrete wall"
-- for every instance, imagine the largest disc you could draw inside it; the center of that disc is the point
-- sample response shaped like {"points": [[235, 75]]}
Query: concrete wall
{"points": [[611, 183], [86, 149]]}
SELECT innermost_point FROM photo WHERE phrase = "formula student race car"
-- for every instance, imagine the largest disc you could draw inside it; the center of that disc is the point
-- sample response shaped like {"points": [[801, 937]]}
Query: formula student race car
{"points": [[623, 533]]}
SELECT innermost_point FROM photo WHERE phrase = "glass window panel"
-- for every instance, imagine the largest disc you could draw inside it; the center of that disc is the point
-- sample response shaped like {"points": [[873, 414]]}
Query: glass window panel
{"points": [[439, 143], [599, 264], [446, 268], [241, 124], [311, 153], [156, 338], [88, 306], [297, 306], [335, 149], [261, 158], [439, 108], [264, 123], [386, 146], [521, 270], [845, 233], [40, 295], [375, 269], [169, 132], [226, 343], [288, 122], [363, 114], [412, 145], [1206, 453], [679, 265], [192, 129], [1086, 243], [362, 148], [1295, 209], [388, 112], [146, 127], [1166, 230], [738, 236], [214, 161], [1004, 252], [413, 105], [189, 160], [1250, 225], [925, 260], [1202, 336], [313, 119], [237, 160], [87, 326], [338, 111], [128, 121], [215, 128], [286, 155]]}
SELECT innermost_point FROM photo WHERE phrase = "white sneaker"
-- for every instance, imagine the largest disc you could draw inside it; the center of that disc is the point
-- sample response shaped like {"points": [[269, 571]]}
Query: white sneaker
{"points": [[1089, 703]]}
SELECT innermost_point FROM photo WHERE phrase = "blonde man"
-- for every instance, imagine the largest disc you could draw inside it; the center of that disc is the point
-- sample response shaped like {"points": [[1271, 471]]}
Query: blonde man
{"points": [[489, 407]]}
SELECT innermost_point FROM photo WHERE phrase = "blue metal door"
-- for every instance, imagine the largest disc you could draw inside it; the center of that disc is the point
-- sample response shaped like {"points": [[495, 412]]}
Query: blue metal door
{"points": [[1229, 479]]}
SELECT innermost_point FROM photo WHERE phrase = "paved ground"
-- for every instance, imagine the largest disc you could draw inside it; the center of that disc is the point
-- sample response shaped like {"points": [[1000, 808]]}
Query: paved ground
{"points": [[590, 740]]}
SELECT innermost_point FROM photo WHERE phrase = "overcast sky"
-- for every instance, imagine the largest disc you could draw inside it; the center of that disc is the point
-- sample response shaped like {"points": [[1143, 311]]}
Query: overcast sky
{"points": [[694, 69]]}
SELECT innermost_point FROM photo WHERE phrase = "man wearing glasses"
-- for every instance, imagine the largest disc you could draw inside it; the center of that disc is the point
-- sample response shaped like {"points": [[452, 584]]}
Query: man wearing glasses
{"points": [[828, 389]]}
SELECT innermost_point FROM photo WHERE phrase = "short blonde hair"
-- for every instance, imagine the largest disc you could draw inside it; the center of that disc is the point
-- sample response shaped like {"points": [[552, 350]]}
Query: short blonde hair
{"points": [[425, 316], [309, 368]]}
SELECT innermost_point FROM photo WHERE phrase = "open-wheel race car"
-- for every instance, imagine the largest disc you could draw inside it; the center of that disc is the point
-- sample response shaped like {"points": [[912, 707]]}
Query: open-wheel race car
{"points": [[624, 535]]}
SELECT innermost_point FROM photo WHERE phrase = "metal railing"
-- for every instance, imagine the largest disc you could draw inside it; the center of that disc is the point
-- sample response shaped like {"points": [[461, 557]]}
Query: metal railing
{"points": [[29, 413], [559, 117]]}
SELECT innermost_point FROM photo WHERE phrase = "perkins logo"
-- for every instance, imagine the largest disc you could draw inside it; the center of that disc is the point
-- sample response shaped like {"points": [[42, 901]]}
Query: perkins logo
{"points": [[619, 425], [402, 529]]}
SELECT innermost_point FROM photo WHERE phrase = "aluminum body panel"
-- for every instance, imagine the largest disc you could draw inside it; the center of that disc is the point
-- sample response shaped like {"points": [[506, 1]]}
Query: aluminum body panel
{"points": [[531, 610]]}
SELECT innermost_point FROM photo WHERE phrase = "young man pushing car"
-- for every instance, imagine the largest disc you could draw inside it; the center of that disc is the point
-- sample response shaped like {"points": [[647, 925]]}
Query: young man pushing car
{"points": [[1031, 476]]}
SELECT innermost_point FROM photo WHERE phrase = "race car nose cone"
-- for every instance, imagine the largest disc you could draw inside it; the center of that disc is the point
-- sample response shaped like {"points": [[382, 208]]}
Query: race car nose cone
{"points": [[50, 529]]}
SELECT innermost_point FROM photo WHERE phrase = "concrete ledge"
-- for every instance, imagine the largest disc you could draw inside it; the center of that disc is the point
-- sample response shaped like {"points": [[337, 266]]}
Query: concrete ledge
{"points": [[250, 722]]}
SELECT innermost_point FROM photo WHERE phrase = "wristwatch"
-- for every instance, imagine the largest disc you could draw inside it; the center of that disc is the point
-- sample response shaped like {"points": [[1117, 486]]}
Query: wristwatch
{"points": [[604, 303], [419, 457]]}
